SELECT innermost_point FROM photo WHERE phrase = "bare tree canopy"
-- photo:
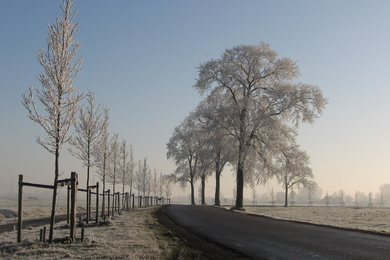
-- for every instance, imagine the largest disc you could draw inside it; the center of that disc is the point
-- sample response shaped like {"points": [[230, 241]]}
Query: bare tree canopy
{"points": [[58, 96], [89, 128]]}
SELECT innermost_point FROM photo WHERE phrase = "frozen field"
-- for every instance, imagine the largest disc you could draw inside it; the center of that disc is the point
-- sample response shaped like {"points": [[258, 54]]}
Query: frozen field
{"points": [[368, 219], [31, 209]]}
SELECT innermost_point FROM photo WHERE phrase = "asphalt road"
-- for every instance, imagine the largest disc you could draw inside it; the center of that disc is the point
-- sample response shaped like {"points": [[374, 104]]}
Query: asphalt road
{"points": [[265, 238]]}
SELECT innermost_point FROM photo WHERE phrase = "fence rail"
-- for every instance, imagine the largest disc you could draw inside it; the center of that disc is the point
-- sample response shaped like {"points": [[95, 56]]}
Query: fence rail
{"points": [[107, 210]]}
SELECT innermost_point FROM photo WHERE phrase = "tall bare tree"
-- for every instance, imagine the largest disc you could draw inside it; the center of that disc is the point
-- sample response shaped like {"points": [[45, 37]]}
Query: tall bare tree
{"points": [[138, 178], [114, 161], [167, 181], [262, 100], [160, 185], [124, 167], [131, 170], [59, 97], [154, 183], [145, 177], [89, 127], [103, 156]]}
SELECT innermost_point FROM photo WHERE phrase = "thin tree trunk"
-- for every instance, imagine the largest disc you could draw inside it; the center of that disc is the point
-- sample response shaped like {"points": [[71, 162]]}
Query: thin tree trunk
{"points": [[53, 207], [88, 197], [104, 196]]}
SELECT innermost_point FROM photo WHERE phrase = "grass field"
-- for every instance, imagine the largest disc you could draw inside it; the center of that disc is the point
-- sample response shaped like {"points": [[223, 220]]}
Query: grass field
{"points": [[367, 219]]}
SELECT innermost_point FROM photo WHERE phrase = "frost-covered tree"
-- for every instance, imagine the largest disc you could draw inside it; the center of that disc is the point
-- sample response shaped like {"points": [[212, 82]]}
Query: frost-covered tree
{"points": [[103, 155], [138, 178], [261, 99], [160, 185], [145, 177], [218, 148], [167, 181], [184, 147], [86, 142], [59, 97], [89, 129], [293, 169], [131, 169], [154, 183], [114, 161], [124, 167]]}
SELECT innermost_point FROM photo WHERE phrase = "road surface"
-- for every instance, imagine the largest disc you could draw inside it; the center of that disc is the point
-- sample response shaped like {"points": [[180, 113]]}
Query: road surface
{"points": [[264, 238]]}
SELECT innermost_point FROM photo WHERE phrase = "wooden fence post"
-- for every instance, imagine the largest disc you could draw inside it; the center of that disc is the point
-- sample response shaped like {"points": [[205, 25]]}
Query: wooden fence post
{"points": [[73, 207], [67, 205], [97, 202], [20, 207], [113, 204], [108, 203], [44, 234], [88, 204], [103, 202]]}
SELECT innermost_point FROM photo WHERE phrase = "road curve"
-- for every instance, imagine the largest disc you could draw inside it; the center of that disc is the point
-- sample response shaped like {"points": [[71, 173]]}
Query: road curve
{"points": [[264, 238]]}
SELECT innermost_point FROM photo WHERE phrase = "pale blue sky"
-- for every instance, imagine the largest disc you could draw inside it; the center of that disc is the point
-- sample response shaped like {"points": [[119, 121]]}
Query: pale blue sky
{"points": [[140, 59]]}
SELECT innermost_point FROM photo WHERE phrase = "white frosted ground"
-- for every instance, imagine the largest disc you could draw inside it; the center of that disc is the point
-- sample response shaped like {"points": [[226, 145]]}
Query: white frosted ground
{"points": [[368, 219]]}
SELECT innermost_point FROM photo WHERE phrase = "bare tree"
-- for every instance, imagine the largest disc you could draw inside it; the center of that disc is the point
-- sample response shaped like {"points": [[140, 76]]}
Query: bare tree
{"points": [[145, 177], [114, 161], [168, 180], [154, 183], [103, 155], [89, 130], [138, 178], [131, 170], [58, 96], [261, 99], [160, 185], [87, 140], [293, 169], [124, 167]]}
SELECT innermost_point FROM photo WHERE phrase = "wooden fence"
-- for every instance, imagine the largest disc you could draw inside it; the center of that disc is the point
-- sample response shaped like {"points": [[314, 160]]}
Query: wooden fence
{"points": [[107, 210], [72, 182]]}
